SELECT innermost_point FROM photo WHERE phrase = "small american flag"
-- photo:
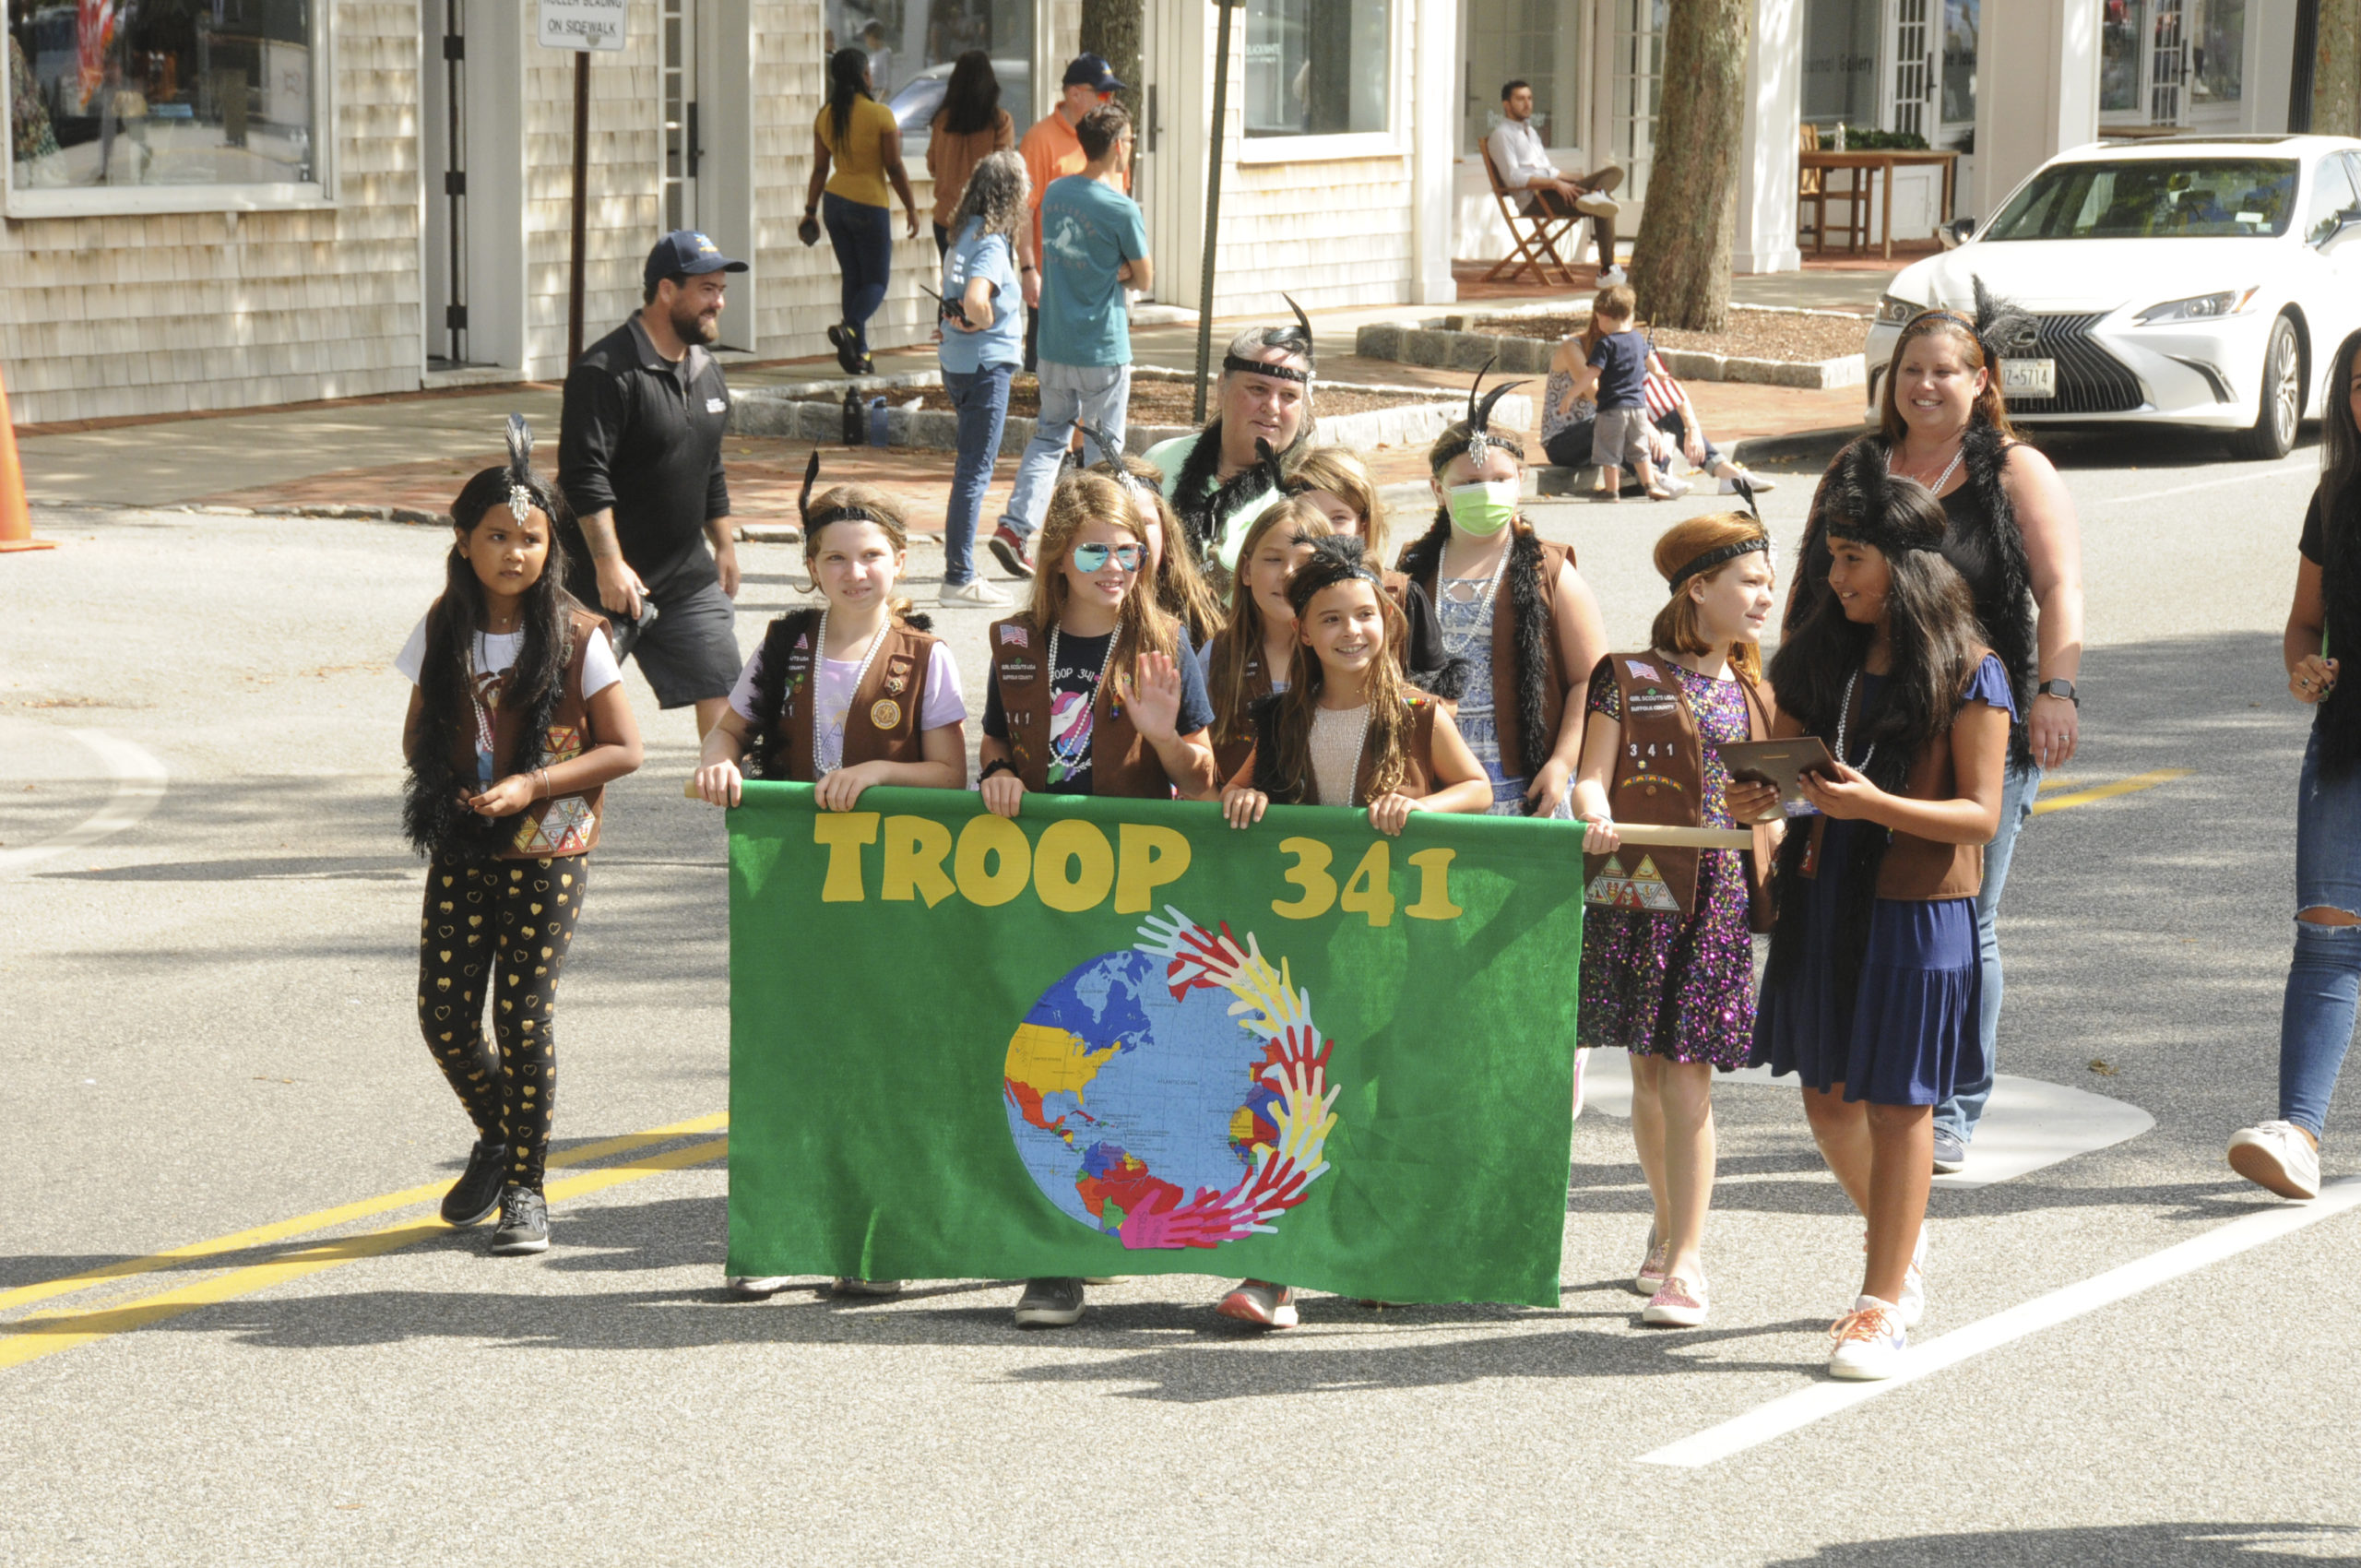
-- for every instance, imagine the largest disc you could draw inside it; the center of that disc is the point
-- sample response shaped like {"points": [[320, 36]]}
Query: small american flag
{"points": [[1013, 634], [1661, 391]]}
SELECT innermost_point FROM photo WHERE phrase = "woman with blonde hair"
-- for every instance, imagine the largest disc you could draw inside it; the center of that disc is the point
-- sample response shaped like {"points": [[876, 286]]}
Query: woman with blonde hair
{"points": [[1667, 960]]}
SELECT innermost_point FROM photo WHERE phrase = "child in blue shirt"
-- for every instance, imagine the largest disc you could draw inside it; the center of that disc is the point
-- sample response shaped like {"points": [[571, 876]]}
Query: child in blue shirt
{"points": [[1617, 374]]}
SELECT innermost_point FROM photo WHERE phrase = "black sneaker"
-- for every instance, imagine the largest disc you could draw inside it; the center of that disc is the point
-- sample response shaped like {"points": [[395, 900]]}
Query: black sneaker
{"points": [[1950, 1154], [847, 346], [524, 1224], [1050, 1303], [475, 1196]]}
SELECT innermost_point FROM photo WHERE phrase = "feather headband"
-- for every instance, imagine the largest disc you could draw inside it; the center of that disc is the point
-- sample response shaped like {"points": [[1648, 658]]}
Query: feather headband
{"points": [[1474, 435], [1874, 507], [1296, 340], [856, 514], [1335, 558]]}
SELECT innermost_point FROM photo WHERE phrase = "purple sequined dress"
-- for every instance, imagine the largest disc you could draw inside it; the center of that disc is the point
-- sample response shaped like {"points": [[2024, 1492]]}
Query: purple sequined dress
{"points": [[1670, 985]]}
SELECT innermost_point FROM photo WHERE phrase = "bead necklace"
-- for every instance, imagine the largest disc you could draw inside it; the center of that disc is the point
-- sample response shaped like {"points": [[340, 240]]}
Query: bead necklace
{"points": [[822, 763], [1063, 758], [1845, 713], [1949, 469], [1458, 645]]}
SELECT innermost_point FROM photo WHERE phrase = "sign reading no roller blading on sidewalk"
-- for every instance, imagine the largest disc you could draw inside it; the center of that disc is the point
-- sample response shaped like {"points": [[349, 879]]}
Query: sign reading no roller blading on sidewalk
{"points": [[583, 24]]}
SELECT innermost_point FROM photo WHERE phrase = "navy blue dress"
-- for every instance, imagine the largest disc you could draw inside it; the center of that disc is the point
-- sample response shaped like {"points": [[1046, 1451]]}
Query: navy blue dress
{"points": [[1909, 1033]]}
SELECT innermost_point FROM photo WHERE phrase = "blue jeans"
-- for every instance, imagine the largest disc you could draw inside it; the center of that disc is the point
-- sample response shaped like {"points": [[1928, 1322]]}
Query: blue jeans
{"points": [[1959, 1115], [1087, 394], [863, 238], [981, 400], [2324, 978]]}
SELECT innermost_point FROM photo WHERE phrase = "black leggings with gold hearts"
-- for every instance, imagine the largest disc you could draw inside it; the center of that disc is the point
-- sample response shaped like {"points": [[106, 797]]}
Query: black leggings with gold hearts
{"points": [[499, 929]]}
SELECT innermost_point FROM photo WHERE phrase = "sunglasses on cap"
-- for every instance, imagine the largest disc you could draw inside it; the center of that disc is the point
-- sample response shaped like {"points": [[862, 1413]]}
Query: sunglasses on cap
{"points": [[1093, 557]]}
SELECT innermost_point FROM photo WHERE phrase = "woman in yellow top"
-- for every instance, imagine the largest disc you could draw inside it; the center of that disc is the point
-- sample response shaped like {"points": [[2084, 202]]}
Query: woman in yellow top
{"points": [[855, 134]]}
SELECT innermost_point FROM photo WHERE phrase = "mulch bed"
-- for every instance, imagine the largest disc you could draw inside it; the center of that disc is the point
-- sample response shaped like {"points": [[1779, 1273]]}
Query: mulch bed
{"points": [[1751, 334], [1159, 401]]}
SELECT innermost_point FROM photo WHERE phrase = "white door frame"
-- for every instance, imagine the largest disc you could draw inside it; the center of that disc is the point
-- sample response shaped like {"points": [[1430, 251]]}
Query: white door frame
{"points": [[493, 243]]}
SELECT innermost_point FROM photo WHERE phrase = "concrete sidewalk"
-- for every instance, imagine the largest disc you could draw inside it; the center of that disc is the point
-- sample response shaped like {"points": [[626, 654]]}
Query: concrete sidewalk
{"points": [[406, 455]]}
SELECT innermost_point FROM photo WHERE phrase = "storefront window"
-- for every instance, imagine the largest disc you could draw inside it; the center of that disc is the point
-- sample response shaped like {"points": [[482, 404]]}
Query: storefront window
{"points": [[912, 45], [159, 92], [1316, 67], [1537, 41], [1960, 20], [1841, 62], [2221, 50]]}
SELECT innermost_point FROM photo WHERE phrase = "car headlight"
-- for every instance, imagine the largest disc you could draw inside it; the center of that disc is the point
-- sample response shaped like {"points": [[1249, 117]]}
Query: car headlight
{"points": [[2199, 307], [1894, 312]]}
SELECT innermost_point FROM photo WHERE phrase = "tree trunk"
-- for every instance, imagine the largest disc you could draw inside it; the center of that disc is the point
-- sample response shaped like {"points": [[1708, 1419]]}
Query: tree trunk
{"points": [[1111, 29], [1680, 263], [2336, 70]]}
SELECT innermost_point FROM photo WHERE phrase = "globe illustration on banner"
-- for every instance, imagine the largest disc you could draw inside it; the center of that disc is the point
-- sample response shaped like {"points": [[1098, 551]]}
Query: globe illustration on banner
{"points": [[1172, 1094]]}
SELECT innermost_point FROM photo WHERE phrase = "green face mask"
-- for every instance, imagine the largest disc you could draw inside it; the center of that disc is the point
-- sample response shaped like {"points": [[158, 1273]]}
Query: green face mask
{"points": [[1484, 508]]}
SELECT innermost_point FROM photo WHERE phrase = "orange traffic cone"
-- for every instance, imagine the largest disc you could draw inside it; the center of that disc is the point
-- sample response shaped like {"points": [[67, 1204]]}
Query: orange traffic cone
{"points": [[16, 516]]}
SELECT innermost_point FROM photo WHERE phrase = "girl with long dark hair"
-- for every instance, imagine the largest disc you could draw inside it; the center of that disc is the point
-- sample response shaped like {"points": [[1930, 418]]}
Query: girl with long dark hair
{"points": [[856, 151], [1249, 658], [968, 128], [1874, 979], [2012, 536], [2324, 978], [517, 721]]}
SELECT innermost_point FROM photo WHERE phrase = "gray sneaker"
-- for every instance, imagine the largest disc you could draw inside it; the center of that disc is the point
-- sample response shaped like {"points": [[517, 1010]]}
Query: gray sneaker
{"points": [[1050, 1303], [846, 1286], [524, 1224], [1950, 1153]]}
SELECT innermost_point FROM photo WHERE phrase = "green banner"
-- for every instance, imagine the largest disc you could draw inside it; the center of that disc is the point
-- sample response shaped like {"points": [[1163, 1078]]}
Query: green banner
{"points": [[1121, 1037]]}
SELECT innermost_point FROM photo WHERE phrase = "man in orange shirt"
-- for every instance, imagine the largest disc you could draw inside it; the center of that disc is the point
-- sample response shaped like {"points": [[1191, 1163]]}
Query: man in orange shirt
{"points": [[1051, 149]]}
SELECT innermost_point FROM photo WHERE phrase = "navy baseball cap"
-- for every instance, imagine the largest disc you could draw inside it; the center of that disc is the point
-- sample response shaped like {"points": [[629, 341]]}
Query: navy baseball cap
{"points": [[1090, 71], [684, 253]]}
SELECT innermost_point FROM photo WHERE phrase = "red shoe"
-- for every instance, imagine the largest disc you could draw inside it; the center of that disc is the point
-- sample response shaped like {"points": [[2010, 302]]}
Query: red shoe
{"points": [[1261, 1303], [1012, 549]]}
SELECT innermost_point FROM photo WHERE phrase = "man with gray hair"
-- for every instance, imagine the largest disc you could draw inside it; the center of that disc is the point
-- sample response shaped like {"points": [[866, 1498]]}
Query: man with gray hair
{"points": [[1215, 478]]}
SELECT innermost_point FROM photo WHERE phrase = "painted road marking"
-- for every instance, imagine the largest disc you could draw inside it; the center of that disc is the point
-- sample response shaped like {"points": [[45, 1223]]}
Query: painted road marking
{"points": [[139, 782], [2083, 797], [2029, 1124], [322, 1219], [1806, 1405], [2306, 464], [28, 1340]]}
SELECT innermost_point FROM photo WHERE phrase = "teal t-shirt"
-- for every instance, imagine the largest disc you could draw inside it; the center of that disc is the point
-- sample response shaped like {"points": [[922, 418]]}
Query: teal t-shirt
{"points": [[1089, 229]]}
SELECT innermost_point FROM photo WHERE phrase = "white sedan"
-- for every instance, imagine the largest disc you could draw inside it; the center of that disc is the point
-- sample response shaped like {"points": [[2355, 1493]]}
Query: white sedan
{"points": [[2199, 281]]}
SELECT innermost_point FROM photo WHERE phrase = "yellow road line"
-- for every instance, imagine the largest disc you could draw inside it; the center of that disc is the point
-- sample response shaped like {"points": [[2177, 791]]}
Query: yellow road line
{"points": [[33, 1337], [321, 1220], [2109, 791]]}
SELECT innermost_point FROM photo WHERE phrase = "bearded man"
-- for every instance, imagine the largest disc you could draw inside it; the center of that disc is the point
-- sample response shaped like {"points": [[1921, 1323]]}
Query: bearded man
{"points": [[639, 460]]}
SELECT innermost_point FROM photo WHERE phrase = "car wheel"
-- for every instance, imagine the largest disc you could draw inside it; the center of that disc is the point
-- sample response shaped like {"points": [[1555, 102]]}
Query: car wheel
{"points": [[2280, 402]]}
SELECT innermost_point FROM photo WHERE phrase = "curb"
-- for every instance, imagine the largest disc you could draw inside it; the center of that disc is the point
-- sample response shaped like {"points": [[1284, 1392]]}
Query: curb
{"points": [[1430, 342], [1811, 446]]}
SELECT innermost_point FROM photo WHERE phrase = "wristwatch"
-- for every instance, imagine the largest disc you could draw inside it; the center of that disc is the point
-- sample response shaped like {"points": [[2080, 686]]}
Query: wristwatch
{"points": [[2058, 687]]}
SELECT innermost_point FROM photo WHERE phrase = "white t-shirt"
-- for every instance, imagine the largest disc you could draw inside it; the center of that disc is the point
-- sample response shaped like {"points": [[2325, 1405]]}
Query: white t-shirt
{"points": [[496, 652], [1518, 154], [939, 699]]}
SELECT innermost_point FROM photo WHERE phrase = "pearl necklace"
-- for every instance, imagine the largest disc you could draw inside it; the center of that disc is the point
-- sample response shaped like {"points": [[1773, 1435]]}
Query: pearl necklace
{"points": [[822, 763], [1949, 469]]}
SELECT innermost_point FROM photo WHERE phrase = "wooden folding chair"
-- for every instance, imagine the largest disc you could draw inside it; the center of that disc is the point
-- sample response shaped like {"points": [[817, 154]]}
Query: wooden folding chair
{"points": [[1534, 234]]}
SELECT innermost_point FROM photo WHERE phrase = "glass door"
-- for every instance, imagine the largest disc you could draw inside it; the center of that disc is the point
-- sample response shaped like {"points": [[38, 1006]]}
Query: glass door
{"points": [[1636, 61]]}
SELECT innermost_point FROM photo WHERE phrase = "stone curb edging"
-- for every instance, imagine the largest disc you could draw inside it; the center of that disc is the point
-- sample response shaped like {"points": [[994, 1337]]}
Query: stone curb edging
{"points": [[1425, 342], [814, 411], [1812, 447]]}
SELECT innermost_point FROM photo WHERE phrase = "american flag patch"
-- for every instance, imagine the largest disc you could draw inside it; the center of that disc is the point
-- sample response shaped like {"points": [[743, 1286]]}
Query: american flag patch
{"points": [[1013, 634], [1644, 671]]}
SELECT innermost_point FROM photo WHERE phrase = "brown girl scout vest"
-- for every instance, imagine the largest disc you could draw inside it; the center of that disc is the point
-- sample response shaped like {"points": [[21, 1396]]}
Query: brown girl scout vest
{"points": [[1121, 762], [1659, 780], [881, 725], [564, 824], [1917, 870], [1230, 756], [1418, 760], [1519, 760]]}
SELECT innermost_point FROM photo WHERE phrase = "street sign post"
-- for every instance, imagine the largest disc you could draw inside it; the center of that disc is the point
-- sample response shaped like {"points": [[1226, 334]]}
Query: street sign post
{"points": [[581, 25]]}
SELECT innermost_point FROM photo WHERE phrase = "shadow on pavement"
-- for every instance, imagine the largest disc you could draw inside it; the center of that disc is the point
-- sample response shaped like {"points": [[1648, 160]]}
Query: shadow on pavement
{"points": [[2150, 1546]]}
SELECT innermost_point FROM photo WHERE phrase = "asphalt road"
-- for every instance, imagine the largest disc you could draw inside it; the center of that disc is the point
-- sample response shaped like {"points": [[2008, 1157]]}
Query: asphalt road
{"points": [[206, 1029]]}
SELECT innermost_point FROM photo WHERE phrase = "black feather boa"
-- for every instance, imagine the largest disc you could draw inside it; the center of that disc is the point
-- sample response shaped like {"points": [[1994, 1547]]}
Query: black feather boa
{"points": [[435, 816], [1422, 560], [2339, 712], [1204, 500], [770, 682], [2007, 614]]}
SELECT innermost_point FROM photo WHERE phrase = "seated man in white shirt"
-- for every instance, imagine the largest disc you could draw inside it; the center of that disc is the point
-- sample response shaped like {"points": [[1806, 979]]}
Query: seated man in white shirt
{"points": [[1523, 162]]}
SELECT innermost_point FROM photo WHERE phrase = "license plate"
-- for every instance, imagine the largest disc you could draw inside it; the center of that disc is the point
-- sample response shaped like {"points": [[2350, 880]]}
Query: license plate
{"points": [[2029, 378]]}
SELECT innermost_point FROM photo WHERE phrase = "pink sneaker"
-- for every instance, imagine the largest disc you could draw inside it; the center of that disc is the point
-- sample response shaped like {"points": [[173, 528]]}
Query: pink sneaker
{"points": [[1679, 1306], [1261, 1303], [1650, 1280]]}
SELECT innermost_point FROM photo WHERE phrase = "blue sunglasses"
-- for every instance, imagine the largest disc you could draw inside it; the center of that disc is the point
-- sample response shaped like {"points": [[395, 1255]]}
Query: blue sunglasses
{"points": [[1093, 557]]}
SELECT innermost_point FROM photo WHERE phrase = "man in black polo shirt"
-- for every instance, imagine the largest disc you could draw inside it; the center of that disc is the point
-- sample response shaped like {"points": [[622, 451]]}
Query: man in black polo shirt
{"points": [[639, 456]]}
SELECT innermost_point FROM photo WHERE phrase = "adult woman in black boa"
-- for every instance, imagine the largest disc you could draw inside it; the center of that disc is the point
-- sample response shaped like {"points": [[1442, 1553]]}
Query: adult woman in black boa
{"points": [[1215, 479], [2323, 980], [2014, 539]]}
